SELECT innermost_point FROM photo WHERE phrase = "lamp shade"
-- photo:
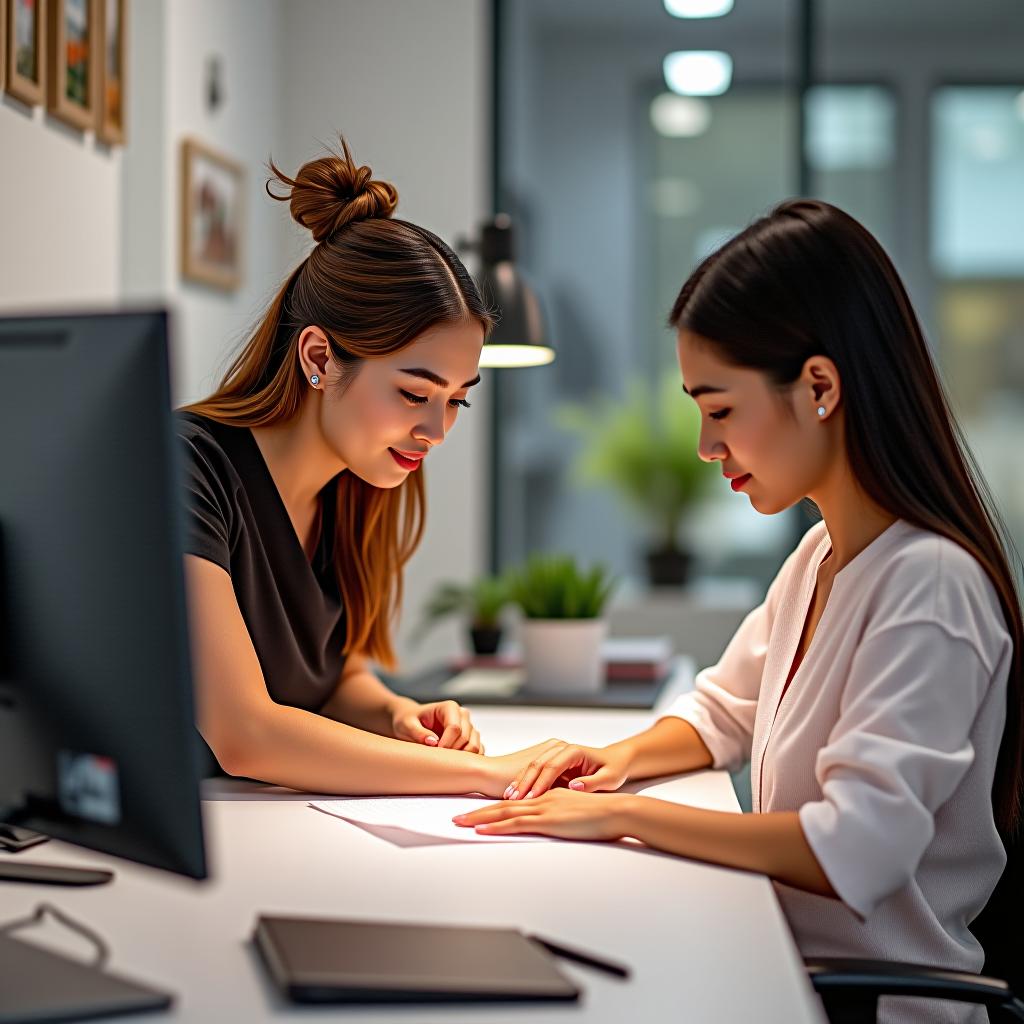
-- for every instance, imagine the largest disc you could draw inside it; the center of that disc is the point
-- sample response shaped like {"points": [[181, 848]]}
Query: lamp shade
{"points": [[518, 338]]}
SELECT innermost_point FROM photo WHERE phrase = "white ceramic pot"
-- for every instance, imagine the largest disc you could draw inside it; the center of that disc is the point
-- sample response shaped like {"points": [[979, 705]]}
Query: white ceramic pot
{"points": [[563, 655]]}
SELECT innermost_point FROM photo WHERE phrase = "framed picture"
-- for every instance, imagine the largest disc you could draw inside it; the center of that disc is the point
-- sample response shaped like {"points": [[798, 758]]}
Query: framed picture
{"points": [[25, 50], [212, 214], [72, 61], [113, 68]]}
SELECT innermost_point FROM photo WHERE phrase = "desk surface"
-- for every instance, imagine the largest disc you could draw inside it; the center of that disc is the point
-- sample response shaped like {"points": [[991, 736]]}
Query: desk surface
{"points": [[706, 943]]}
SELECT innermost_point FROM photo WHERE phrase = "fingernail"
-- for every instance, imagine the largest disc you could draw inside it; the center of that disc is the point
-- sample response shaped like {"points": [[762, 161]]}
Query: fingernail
{"points": [[528, 795], [458, 817], [576, 784], [508, 789], [514, 795], [431, 741]]}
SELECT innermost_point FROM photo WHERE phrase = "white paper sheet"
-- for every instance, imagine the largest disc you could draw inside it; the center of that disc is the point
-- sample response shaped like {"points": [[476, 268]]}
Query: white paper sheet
{"points": [[425, 816], [485, 682]]}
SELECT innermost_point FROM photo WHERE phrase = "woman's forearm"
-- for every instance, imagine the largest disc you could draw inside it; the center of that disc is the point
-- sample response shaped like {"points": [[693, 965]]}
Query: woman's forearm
{"points": [[671, 746], [362, 700], [772, 844], [290, 747]]}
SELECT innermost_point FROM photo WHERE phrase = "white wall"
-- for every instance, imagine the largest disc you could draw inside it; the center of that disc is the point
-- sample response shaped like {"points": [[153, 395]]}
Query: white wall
{"points": [[246, 35], [171, 45], [408, 84], [58, 213]]}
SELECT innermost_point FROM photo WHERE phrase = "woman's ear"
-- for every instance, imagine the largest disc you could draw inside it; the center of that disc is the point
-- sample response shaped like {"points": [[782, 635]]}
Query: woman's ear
{"points": [[314, 353], [820, 383]]}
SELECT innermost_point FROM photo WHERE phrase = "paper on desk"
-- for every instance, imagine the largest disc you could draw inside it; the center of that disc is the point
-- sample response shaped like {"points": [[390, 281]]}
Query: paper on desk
{"points": [[485, 682], [427, 816]]}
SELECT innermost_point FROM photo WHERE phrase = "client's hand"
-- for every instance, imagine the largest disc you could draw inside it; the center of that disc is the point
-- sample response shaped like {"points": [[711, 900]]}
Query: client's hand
{"points": [[558, 813], [534, 771], [441, 724]]}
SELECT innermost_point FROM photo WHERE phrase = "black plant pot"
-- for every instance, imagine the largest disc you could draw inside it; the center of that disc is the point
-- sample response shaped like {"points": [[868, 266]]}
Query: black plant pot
{"points": [[668, 567], [485, 639]]}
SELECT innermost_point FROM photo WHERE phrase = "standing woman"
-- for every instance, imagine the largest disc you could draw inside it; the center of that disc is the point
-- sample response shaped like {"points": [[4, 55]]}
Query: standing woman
{"points": [[877, 692], [306, 499]]}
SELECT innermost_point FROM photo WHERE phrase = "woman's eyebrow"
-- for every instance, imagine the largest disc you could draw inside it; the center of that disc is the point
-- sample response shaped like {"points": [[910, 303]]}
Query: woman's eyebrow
{"points": [[435, 379], [703, 389]]}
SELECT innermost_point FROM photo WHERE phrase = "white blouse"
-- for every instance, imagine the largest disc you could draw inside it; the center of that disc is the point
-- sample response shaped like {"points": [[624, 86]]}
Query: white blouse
{"points": [[885, 743]]}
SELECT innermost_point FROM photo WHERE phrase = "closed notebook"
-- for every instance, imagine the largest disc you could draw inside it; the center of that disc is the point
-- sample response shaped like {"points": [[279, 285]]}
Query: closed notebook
{"points": [[316, 960]]}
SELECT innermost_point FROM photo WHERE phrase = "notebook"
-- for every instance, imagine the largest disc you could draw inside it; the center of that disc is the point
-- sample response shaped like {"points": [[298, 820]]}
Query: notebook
{"points": [[317, 960]]}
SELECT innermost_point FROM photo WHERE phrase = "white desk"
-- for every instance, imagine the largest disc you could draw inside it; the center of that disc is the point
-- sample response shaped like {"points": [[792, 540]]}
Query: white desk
{"points": [[707, 944]]}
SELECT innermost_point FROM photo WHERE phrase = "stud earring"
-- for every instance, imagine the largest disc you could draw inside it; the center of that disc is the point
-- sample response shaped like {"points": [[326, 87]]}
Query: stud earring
{"points": [[821, 410], [314, 380]]}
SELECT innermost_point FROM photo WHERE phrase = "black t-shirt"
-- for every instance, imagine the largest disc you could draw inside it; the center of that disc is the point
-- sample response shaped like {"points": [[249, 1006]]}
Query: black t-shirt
{"points": [[234, 517]]}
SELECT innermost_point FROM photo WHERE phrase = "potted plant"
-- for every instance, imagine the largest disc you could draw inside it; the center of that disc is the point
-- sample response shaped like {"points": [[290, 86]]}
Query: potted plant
{"points": [[645, 448], [481, 601], [563, 627]]}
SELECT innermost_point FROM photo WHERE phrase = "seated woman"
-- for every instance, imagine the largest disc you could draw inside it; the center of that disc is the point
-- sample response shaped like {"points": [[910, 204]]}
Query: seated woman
{"points": [[305, 499], [877, 691]]}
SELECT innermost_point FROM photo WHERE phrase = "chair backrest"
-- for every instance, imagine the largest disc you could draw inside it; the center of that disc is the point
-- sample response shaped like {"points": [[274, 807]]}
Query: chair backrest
{"points": [[1000, 926]]}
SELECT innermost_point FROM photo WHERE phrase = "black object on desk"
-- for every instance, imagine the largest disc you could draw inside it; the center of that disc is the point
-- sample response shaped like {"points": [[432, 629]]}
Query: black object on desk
{"points": [[316, 960], [97, 724], [629, 694], [580, 956]]}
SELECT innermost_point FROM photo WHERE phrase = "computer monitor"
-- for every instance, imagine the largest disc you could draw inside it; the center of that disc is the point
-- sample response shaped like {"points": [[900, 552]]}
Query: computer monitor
{"points": [[98, 745]]}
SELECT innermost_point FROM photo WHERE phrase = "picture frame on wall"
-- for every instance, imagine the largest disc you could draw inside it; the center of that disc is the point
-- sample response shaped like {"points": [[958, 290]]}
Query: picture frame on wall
{"points": [[113, 71], [212, 216], [25, 50], [73, 62]]}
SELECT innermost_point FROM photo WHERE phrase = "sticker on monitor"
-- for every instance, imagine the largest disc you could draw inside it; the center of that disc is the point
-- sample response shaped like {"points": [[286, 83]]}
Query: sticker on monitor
{"points": [[88, 787]]}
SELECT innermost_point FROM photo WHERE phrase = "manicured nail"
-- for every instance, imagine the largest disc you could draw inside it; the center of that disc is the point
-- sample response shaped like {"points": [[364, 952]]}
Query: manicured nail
{"points": [[508, 789], [515, 795], [528, 795], [458, 817], [431, 741], [575, 784]]}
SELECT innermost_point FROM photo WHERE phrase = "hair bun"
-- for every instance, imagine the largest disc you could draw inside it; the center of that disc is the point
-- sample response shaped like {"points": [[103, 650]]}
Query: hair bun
{"points": [[333, 191]]}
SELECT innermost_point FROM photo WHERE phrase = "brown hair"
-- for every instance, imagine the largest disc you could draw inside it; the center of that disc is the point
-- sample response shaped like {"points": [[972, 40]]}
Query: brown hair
{"points": [[809, 280], [373, 284]]}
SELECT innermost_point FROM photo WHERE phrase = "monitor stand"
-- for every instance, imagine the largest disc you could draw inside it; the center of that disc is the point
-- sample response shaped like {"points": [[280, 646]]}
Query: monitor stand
{"points": [[14, 839]]}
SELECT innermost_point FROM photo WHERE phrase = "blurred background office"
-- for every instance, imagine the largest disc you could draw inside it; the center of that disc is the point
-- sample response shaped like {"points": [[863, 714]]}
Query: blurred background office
{"points": [[624, 140]]}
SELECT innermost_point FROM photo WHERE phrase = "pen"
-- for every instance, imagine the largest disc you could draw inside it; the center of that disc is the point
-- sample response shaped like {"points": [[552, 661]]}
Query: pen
{"points": [[568, 953]]}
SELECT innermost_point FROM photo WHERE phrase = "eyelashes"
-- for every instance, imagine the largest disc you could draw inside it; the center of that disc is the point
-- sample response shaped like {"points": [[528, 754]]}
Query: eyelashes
{"points": [[453, 403], [720, 414]]}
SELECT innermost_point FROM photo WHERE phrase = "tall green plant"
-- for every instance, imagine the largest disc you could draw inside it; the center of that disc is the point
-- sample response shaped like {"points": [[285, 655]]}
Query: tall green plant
{"points": [[645, 448], [556, 588]]}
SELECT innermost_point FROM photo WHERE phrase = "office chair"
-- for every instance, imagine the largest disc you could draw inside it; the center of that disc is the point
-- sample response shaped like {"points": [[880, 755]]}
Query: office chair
{"points": [[850, 988]]}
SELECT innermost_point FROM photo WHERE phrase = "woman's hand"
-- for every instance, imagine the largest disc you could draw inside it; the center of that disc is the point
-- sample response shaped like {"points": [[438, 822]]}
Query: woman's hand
{"points": [[560, 813], [587, 769], [441, 724]]}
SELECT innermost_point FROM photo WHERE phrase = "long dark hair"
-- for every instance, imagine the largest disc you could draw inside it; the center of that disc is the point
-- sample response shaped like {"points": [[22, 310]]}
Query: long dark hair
{"points": [[373, 284], [809, 280]]}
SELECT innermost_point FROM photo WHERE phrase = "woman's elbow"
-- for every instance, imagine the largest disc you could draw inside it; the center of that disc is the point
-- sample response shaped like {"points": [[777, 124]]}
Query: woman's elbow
{"points": [[238, 748]]}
